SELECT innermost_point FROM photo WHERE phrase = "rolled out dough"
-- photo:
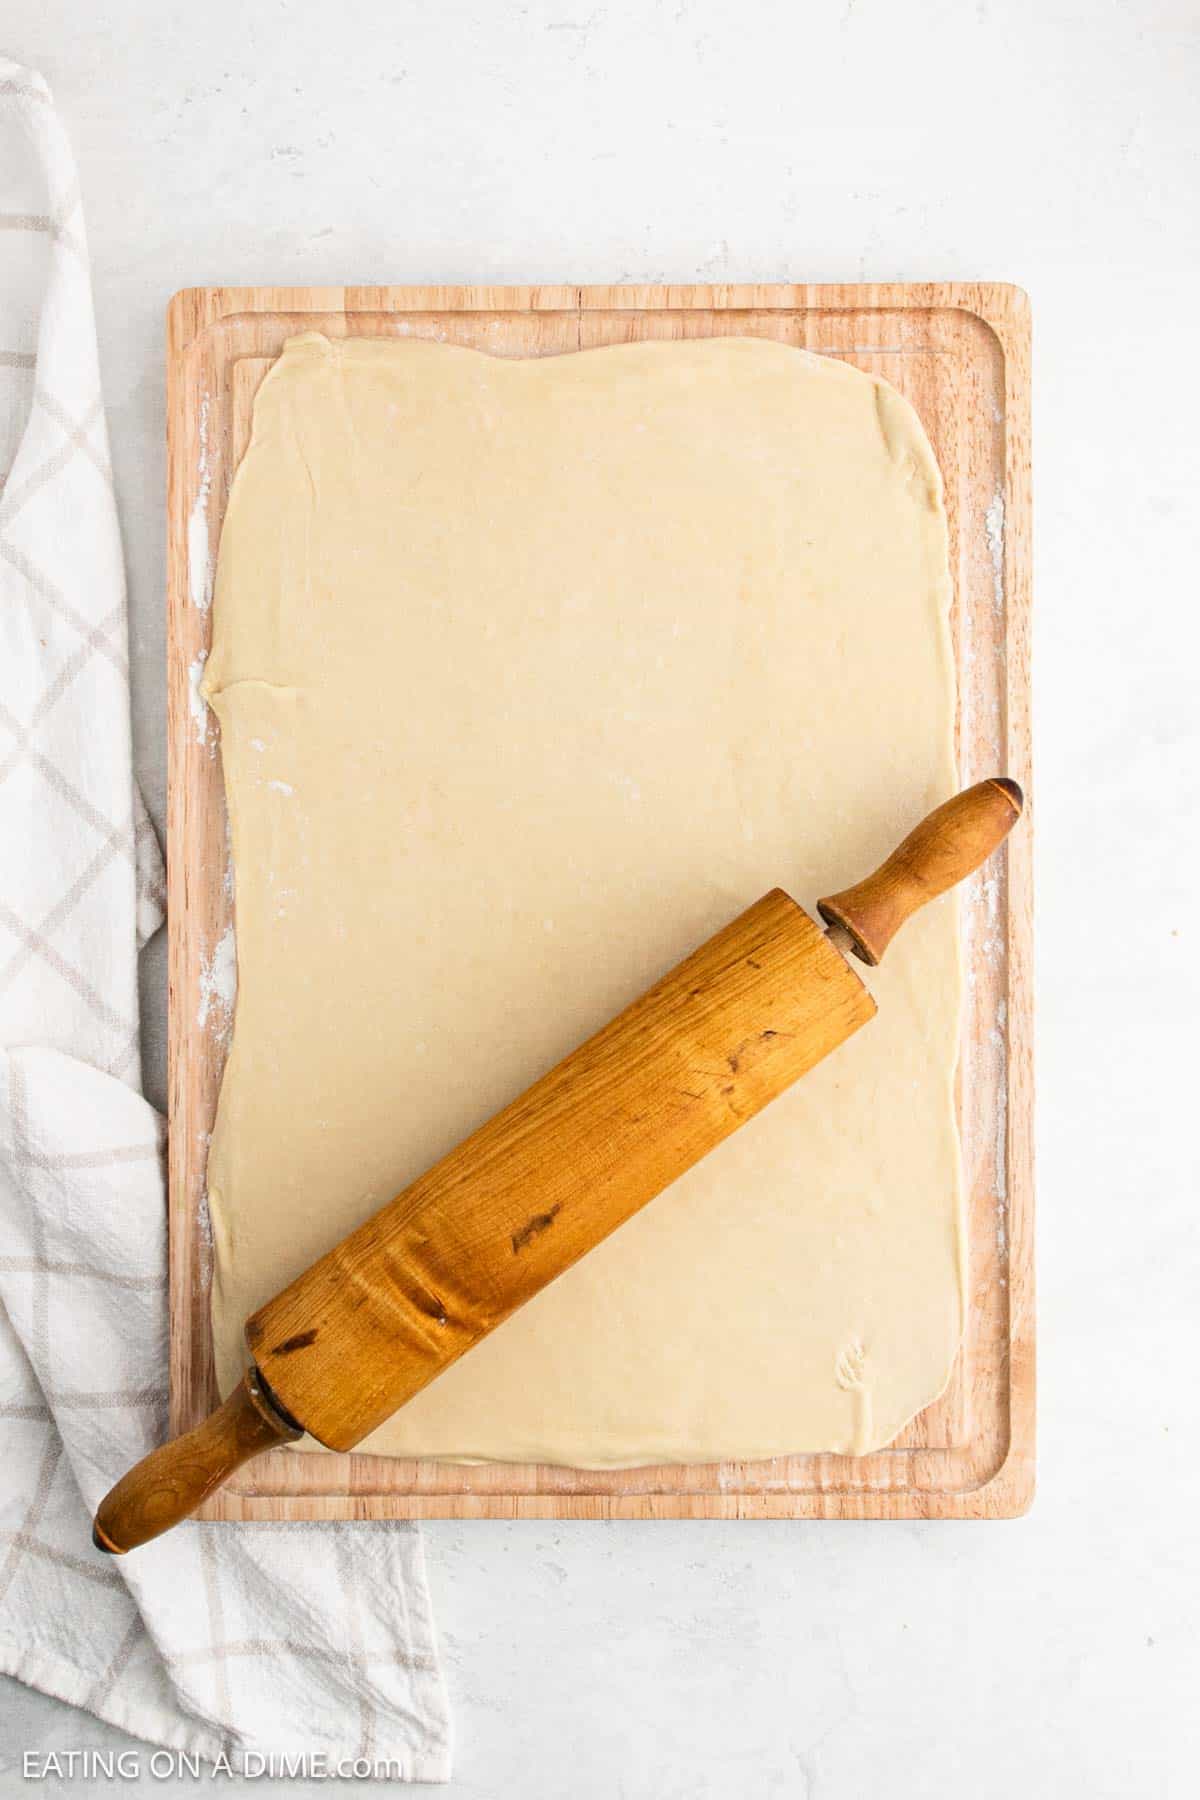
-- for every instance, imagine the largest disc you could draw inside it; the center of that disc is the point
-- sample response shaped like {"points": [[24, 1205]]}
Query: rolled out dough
{"points": [[531, 675]]}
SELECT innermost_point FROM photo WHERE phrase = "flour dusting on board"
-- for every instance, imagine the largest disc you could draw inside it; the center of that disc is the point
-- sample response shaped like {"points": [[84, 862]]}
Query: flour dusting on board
{"points": [[996, 1038], [218, 985], [983, 948], [199, 563], [993, 524], [204, 1225], [197, 704], [227, 879]]}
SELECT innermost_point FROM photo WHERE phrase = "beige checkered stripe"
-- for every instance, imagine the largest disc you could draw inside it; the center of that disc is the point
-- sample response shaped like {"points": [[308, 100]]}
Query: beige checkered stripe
{"points": [[25, 1541]]}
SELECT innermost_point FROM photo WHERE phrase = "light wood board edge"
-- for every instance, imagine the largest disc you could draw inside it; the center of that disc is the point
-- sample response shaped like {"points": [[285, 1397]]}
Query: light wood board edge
{"points": [[1005, 310]]}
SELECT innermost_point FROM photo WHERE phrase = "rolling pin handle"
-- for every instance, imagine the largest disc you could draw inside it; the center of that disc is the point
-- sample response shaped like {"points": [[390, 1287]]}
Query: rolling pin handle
{"points": [[943, 850], [170, 1483]]}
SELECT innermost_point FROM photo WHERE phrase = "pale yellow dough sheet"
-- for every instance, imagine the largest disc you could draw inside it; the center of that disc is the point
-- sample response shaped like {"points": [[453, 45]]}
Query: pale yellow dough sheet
{"points": [[530, 675]]}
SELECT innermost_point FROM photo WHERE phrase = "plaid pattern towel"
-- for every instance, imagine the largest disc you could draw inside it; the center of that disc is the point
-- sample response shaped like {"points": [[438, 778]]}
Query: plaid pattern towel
{"points": [[217, 1640]]}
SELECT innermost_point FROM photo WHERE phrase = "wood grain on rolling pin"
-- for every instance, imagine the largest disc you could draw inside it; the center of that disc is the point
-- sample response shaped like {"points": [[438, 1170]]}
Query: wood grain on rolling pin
{"points": [[481, 1232]]}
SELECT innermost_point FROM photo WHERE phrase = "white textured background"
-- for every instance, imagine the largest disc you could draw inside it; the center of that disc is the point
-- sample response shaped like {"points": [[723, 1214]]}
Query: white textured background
{"points": [[1049, 142]]}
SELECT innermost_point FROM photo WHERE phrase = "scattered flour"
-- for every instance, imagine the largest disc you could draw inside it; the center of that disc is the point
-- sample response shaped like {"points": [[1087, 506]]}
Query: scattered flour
{"points": [[996, 1038], [204, 1226], [281, 787], [218, 985], [989, 887], [199, 564], [204, 1235], [993, 524], [197, 704], [227, 881]]}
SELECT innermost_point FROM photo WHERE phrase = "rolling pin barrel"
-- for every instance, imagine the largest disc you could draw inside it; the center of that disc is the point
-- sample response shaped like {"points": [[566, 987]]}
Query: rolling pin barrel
{"points": [[588, 1145], [564, 1165]]}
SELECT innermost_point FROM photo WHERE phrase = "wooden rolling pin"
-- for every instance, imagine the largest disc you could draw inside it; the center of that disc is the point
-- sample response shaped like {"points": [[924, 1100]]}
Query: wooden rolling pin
{"points": [[555, 1172]]}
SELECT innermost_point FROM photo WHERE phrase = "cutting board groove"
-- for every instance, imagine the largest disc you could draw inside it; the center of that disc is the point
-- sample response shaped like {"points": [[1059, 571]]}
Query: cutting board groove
{"points": [[960, 353]]}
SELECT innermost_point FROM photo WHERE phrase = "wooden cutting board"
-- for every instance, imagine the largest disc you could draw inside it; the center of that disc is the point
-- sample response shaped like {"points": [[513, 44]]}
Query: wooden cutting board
{"points": [[960, 353]]}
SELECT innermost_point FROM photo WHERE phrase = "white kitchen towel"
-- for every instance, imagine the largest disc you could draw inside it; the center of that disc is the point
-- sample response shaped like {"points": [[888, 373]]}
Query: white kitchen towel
{"points": [[280, 1640]]}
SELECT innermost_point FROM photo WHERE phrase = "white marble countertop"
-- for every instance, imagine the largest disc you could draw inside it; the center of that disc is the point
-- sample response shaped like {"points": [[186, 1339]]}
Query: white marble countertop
{"points": [[1039, 141]]}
